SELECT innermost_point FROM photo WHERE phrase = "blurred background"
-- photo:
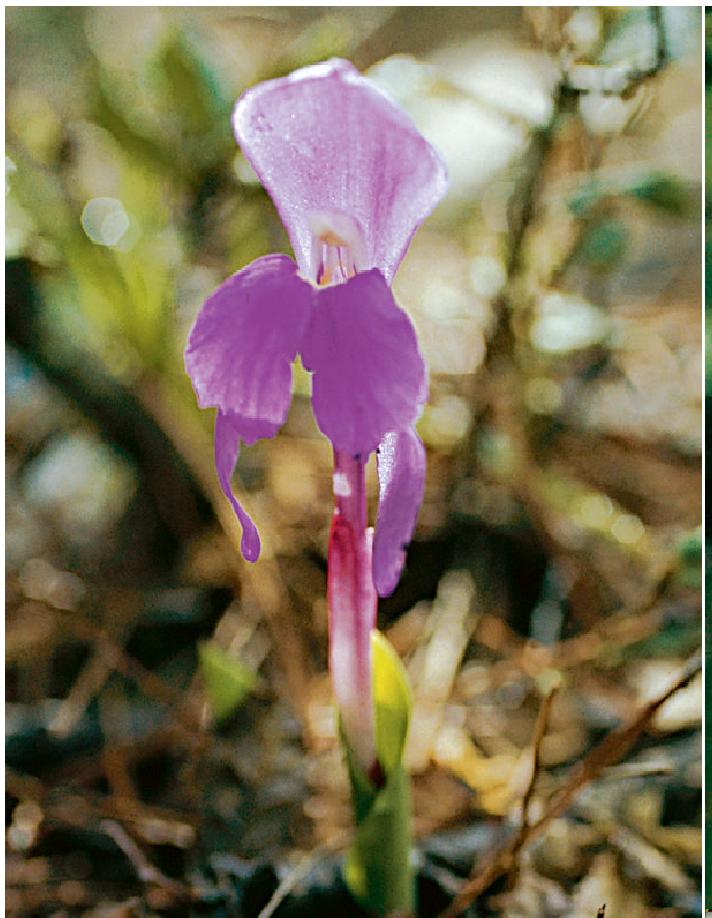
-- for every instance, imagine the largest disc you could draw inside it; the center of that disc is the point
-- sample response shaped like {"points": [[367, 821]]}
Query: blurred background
{"points": [[170, 735]]}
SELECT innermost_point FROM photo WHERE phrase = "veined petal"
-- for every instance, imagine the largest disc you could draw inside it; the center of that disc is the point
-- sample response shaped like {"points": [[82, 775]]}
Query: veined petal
{"points": [[244, 339], [228, 432], [401, 477], [325, 141], [369, 376]]}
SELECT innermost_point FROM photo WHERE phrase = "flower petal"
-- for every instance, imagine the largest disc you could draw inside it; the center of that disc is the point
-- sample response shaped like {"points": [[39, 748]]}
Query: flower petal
{"points": [[245, 337], [325, 141], [369, 376], [228, 432], [401, 475]]}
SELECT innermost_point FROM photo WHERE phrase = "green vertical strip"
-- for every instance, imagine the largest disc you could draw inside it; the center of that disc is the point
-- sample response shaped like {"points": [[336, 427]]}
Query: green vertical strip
{"points": [[708, 393], [378, 869]]}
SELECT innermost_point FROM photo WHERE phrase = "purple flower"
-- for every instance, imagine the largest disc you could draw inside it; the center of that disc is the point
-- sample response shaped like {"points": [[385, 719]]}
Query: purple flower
{"points": [[352, 180]]}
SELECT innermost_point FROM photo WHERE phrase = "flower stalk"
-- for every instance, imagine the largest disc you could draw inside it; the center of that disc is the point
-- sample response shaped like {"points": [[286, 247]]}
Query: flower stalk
{"points": [[373, 701], [352, 608]]}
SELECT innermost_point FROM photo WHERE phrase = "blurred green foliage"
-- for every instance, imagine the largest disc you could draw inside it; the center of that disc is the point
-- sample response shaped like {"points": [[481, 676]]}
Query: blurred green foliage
{"points": [[228, 681], [603, 243], [690, 554], [661, 190], [708, 396]]}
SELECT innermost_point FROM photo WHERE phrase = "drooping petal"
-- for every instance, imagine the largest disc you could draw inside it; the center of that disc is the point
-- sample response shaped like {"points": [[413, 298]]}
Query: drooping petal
{"points": [[228, 433], [401, 477], [369, 376], [245, 337], [325, 141]]}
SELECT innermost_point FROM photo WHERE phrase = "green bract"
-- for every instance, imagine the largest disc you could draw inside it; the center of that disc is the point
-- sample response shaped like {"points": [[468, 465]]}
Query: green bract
{"points": [[378, 869]]}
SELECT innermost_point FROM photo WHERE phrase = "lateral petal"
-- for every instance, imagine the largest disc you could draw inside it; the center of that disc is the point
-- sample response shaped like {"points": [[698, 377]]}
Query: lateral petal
{"points": [[369, 376], [245, 337], [401, 476]]}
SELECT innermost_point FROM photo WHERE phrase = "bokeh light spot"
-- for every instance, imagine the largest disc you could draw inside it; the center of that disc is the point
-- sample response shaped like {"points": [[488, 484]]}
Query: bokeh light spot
{"points": [[627, 529], [596, 510], [566, 323], [487, 275], [105, 221]]}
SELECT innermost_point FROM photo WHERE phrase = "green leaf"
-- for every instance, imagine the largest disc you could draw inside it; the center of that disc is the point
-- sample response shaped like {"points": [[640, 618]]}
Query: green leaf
{"points": [[676, 638], [664, 192], [584, 200], [604, 243], [106, 111], [189, 84], [190, 90], [378, 870], [40, 192], [393, 701], [689, 553], [660, 190], [100, 287], [227, 680]]}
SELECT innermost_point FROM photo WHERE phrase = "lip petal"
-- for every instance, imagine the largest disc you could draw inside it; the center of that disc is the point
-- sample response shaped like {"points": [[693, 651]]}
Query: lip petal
{"points": [[369, 376], [327, 141], [245, 337], [401, 476]]}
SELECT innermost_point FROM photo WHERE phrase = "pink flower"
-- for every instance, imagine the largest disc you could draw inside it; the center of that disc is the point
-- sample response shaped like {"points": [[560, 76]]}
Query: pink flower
{"points": [[352, 180]]}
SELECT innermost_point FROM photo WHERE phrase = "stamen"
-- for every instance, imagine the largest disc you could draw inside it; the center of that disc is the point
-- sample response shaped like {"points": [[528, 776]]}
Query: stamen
{"points": [[338, 248], [336, 265], [330, 238]]}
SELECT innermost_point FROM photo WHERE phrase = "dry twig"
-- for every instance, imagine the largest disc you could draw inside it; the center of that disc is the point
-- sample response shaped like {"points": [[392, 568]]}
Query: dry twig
{"points": [[609, 751], [300, 872], [540, 726], [620, 629], [143, 867]]}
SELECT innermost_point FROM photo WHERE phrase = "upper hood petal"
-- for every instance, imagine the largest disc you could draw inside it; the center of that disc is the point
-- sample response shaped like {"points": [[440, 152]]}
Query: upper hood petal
{"points": [[325, 141]]}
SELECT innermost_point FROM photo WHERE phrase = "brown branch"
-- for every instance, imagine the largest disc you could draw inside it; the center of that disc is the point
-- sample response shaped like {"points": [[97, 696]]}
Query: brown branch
{"points": [[301, 871], [540, 726], [626, 626], [109, 654], [609, 751], [145, 870], [23, 786]]}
